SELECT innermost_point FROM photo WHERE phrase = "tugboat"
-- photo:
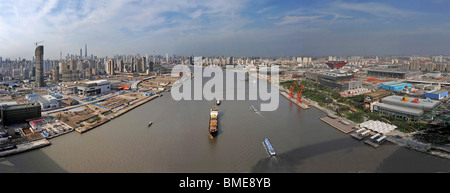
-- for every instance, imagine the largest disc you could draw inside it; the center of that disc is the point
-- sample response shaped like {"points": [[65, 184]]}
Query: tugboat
{"points": [[213, 120]]}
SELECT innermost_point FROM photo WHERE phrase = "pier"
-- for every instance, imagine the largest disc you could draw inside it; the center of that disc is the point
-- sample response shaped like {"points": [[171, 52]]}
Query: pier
{"points": [[118, 113], [294, 100], [339, 124], [19, 148]]}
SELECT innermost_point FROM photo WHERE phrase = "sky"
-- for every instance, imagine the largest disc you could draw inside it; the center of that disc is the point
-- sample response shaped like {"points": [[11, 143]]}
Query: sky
{"points": [[225, 27]]}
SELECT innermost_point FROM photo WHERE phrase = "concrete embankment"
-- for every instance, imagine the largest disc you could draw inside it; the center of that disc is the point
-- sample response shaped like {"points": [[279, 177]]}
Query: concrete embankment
{"points": [[303, 106], [26, 147], [117, 114]]}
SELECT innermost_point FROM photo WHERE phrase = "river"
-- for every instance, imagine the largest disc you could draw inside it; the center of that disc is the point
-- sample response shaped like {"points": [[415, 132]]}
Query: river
{"points": [[178, 141]]}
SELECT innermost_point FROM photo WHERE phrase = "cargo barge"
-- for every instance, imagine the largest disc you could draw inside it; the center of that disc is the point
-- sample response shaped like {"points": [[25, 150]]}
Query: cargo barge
{"points": [[213, 120], [253, 108], [269, 147]]}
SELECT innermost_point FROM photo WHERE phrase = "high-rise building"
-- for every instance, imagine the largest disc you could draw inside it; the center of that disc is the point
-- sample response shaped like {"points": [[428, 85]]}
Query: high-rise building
{"points": [[120, 65], [56, 72], [111, 67], [151, 66], [85, 50], [144, 64], [61, 67], [39, 54], [81, 52]]}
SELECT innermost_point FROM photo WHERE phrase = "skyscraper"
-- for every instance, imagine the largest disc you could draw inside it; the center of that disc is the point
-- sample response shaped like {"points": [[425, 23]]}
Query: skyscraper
{"points": [[111, 67], [39, 54], [143, 64], [55, 73], [81, 52], [85, 50]]}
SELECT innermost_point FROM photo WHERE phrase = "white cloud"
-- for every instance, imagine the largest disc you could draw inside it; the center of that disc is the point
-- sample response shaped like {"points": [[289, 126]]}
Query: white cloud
{"points": [[265, 9], [296, 19]]}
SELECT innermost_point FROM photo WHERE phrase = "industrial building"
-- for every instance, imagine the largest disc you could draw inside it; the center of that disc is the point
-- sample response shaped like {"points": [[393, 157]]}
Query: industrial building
{"points": [[336, 80], [370, 99], [14, 114], [46, 101], [437, 95], [395, 86], [93, 88], [392, 73], [408, 109]]}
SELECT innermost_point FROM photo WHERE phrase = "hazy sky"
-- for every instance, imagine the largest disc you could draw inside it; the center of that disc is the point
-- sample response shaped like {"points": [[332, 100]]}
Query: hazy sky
{"points": [[225, 27]]}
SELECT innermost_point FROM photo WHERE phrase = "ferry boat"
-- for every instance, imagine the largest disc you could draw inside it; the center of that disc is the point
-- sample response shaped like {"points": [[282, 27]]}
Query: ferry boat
{"points": [[269, 147], [213, 120], [253, 108]]}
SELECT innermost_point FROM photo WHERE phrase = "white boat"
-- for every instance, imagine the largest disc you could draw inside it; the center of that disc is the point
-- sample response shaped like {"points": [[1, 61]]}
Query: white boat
{"points": [[253, 108], [218, 102], [149, 124]]}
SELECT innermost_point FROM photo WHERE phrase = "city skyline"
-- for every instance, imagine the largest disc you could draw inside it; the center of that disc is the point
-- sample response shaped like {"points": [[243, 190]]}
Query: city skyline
{"points": [[238, 28]]}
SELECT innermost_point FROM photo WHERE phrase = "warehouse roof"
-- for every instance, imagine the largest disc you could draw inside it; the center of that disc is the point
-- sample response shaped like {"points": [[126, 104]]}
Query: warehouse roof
{"points": [[425, 104]]}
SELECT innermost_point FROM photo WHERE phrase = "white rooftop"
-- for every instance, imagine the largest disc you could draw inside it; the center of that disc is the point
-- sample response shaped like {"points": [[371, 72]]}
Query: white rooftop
{"points": [[378, 126]]}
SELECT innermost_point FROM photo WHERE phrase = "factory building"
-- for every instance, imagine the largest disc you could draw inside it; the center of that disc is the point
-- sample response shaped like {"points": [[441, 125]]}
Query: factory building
{"points": [[437, 95], [46, 101], [395, 86], [392, 73], [14, 114], [408, 109], [93, 88], [336, 80]]}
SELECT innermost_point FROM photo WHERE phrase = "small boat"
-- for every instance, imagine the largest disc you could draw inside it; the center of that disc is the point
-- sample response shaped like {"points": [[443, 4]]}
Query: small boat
{"points": [[218, 102], [149, 124], [269, 147], [253, 108]]}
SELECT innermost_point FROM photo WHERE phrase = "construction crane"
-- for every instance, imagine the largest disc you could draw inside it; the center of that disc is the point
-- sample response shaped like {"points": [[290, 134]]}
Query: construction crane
{"points": [[299, 94], [291, 90], [36, 43]]}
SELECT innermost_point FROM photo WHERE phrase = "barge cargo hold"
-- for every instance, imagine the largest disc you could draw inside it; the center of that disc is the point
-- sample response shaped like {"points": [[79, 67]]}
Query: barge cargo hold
{"points": [[213, 122]]}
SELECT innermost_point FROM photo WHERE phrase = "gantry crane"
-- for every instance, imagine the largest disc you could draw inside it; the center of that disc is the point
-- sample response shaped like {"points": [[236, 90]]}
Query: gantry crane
{"points": [[299, 94], [291, 90], [36, 43]]}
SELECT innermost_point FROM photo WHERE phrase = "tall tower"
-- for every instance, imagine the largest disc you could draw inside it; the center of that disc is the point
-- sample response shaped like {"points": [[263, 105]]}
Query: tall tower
{"points": [[111, 67], [81, 52], [85, 50], [39, 54]]}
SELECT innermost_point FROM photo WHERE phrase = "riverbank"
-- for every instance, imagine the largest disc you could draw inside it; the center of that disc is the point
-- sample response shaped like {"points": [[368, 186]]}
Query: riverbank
{"points": [[105, 118], [24, 147], [395, 137]]}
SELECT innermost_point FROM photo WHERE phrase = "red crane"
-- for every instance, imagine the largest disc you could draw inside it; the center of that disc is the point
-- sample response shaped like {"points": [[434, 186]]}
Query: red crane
{"points": [[291, 90], [299, 94]]}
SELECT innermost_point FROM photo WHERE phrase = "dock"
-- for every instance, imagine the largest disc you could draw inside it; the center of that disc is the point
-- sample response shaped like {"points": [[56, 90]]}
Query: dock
{"points": [[25, 147], [374, 141], [339, 124], [116, 114], [294, 100], [360, 134]]}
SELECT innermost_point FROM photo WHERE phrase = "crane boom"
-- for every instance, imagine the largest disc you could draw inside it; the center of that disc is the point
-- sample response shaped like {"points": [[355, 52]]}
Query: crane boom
{"points": [[36, 43]]}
